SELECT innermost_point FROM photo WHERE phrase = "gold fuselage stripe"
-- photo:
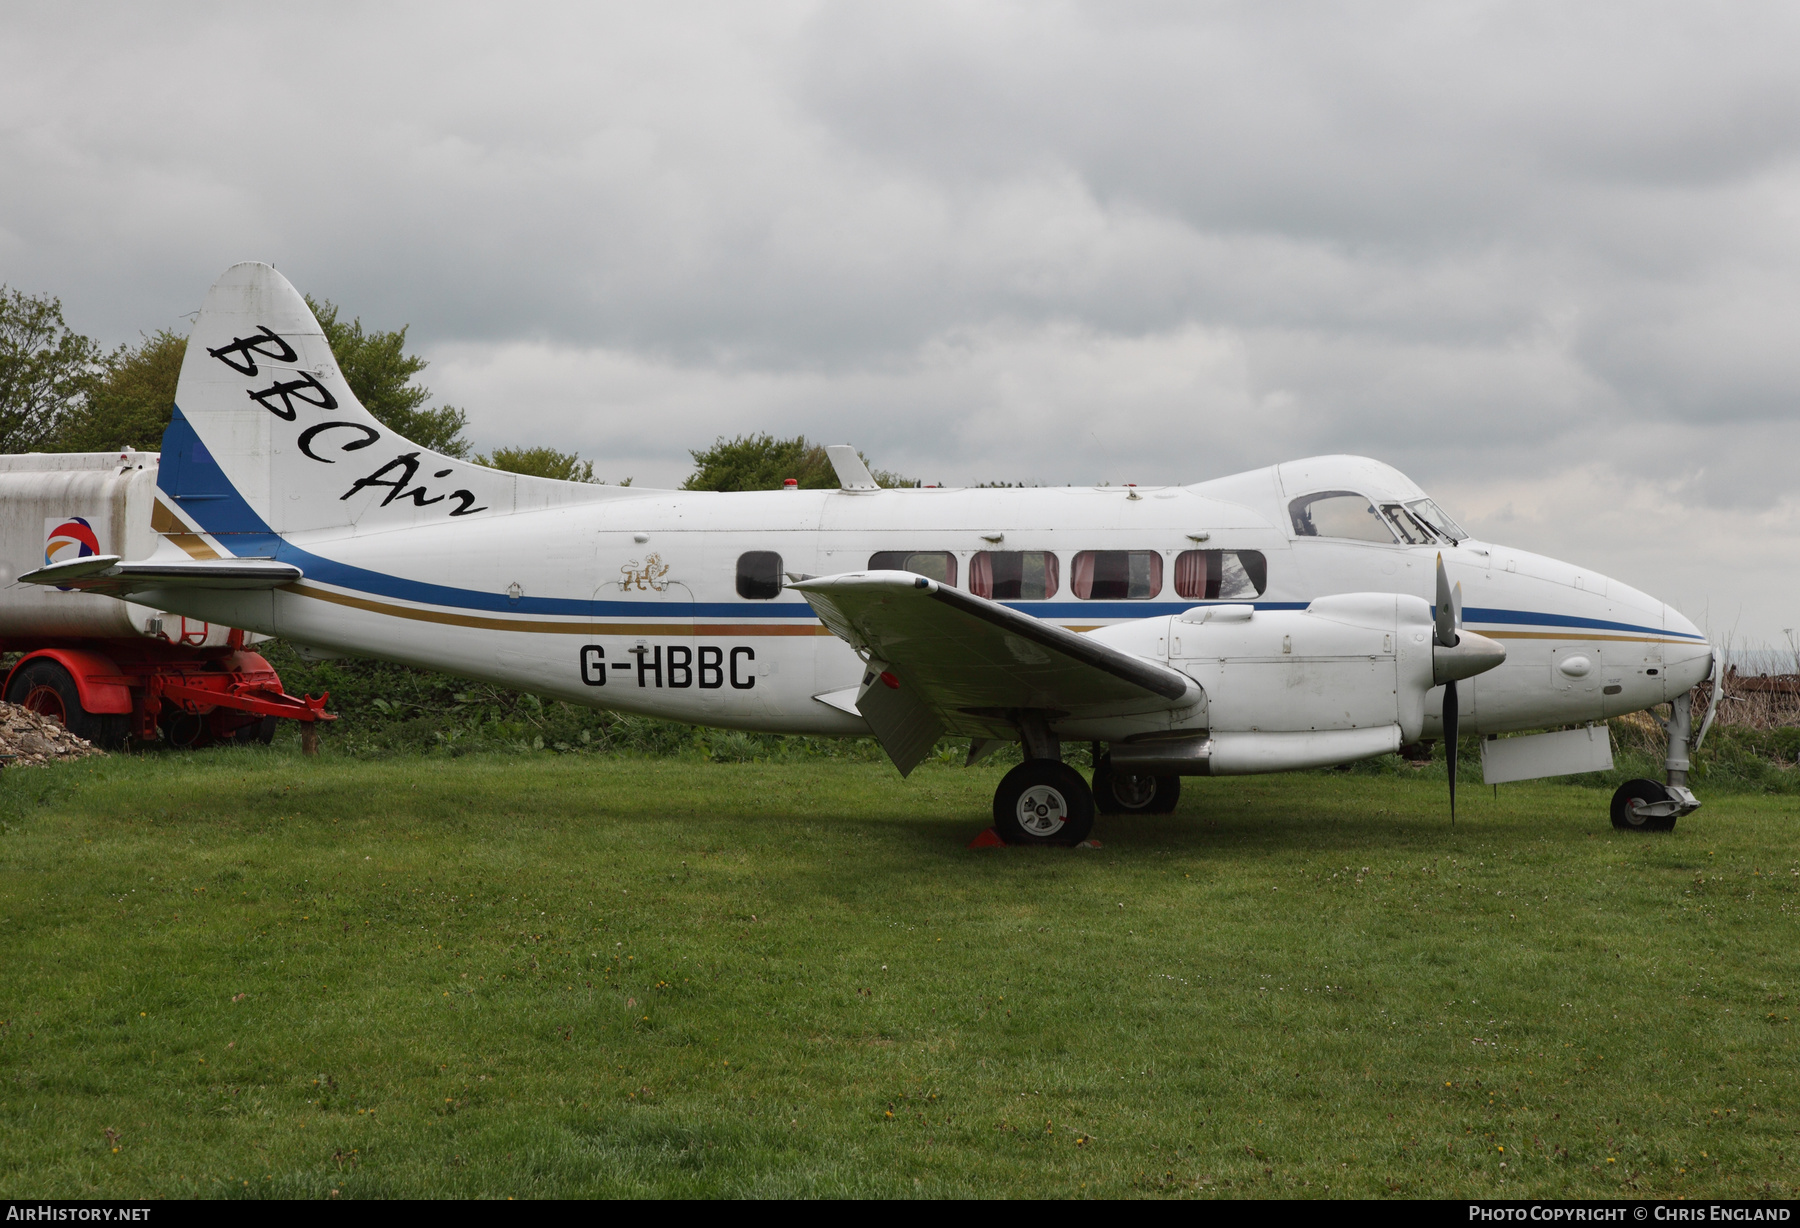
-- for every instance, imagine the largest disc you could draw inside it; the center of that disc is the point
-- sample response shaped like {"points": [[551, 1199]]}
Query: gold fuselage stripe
{"points": [[1585, 635], [490, 623]]}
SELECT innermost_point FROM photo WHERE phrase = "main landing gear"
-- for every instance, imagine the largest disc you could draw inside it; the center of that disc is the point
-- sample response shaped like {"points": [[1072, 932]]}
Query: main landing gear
{"points": [[1043, 800]]}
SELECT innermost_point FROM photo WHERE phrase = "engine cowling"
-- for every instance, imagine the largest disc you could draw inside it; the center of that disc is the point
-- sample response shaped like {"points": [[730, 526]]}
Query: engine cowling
{"points": [[1344, 679]]}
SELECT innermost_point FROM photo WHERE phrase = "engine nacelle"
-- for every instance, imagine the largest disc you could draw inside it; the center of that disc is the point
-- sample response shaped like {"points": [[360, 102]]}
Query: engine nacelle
{"points": [[1344, 679]]}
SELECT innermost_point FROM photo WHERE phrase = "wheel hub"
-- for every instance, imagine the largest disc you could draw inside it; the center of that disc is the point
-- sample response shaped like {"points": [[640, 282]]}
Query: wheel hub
{"points": [[47, 701], [1134, 792], [1042, 810]]}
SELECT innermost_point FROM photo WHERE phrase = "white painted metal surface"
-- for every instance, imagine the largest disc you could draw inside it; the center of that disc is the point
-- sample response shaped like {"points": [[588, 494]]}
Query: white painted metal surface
{"points": [[1565, 752]]}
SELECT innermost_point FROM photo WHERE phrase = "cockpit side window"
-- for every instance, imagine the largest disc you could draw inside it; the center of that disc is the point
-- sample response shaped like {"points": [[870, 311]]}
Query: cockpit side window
{"points": [[1433, 515], [1339, 513]]}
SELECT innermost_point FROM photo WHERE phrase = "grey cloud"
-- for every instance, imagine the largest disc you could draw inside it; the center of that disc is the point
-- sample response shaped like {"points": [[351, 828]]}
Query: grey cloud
{"points": [[1487, 242]]}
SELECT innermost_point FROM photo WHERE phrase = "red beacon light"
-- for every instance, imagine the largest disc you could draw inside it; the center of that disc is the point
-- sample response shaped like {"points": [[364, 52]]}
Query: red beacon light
{"points": [[790, 484]]}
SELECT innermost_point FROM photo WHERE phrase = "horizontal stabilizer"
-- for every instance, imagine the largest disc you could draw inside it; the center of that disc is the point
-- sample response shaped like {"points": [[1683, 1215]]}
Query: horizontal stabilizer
{"points": [[107, 575]]}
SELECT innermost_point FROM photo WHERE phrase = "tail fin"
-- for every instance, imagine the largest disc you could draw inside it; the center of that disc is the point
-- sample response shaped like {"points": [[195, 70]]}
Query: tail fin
{"points": [[267, 438]]}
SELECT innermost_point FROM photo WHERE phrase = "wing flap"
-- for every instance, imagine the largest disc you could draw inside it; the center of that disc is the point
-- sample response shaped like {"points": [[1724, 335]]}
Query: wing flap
{"points": [[962, 654], [901, 716]]}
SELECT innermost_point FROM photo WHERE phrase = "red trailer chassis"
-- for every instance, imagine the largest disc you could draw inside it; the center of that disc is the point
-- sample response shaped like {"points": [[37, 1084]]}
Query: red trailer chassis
{"points": [[109, 690]]}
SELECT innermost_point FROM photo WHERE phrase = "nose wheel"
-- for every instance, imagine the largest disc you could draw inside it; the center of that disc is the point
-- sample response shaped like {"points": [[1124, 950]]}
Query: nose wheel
{"points": [[1647, 805], [1043, 801]]}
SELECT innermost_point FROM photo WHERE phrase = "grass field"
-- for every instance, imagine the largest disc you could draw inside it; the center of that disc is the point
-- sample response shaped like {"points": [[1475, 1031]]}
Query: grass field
{"points": [[245, 974]]}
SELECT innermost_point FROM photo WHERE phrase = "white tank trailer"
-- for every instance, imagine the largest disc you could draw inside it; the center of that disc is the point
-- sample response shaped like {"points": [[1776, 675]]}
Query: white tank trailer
{"points": [[112, 670]]}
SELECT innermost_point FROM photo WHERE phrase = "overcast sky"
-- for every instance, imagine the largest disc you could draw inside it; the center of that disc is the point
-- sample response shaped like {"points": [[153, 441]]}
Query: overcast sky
{"points": [[1544, 258]]}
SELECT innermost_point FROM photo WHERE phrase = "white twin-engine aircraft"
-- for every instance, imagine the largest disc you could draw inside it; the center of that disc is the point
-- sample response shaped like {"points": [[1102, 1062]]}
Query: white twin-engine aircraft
{"points": [[1309, 614]]}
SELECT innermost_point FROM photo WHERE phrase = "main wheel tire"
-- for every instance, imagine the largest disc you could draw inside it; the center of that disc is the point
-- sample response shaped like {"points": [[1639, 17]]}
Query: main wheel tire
{"points": [[1625, 804], [47, 689], [1118, 793], [1043, 801]]}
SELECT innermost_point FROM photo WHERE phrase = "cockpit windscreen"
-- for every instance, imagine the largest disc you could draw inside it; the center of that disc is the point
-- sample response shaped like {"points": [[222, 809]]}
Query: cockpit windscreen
{"points": [[1433, 515]]}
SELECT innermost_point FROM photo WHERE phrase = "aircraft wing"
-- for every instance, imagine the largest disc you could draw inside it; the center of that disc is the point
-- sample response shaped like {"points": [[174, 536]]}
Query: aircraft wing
{"points": [[109, 576], [942, 660]]}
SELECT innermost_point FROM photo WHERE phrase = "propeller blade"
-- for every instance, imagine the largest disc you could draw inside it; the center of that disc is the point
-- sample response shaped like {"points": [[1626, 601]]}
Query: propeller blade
{"points": [[1450, 716], [1456, 607], [1445, 614]]}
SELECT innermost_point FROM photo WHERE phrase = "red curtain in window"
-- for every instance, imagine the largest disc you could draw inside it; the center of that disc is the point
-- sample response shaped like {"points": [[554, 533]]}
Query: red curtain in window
{"points": [[981, 574], [1084, 575], [1197, 574], [1050, 576]]}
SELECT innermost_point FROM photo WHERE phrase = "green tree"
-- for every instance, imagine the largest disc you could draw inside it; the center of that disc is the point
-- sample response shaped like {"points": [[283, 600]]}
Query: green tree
{"points": [[763, 462], [380, 372], [46, 371], [541, 463], [130, 404]]}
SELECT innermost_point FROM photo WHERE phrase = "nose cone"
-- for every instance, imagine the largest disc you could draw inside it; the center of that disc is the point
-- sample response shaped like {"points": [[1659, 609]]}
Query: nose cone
{"points": [[1687, 657]]}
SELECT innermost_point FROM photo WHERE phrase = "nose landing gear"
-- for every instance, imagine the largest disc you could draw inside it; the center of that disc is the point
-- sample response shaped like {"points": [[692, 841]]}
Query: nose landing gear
{"points": [[1646, 805]]}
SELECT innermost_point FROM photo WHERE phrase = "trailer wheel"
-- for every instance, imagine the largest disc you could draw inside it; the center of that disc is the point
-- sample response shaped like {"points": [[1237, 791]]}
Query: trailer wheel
{"points": [[184, 730], [256, 731], [44, 687]]}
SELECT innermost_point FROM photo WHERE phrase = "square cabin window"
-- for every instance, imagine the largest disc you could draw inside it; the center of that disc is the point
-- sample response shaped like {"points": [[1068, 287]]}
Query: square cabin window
{"points": [[1221, 575], [1013, 575], [1117, 575], [939, 565], [759, 575]]}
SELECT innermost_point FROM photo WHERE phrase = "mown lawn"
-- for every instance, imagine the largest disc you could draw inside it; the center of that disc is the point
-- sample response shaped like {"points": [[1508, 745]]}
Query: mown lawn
{"points": [[244, 974]]}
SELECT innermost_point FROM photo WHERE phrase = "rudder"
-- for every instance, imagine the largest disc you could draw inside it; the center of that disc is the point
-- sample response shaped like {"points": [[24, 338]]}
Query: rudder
{"points": [[268, 438]]}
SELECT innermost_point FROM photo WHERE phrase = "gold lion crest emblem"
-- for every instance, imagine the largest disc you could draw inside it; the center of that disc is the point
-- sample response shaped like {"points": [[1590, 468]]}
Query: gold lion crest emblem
{"points": [[647, 576]]}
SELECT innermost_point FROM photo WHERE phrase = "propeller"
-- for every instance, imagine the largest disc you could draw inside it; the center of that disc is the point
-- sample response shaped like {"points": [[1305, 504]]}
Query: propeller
{"points": [[1455, 654], [1448, 617]]}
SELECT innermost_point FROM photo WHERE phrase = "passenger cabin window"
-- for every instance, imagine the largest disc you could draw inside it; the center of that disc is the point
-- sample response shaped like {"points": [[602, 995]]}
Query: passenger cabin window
{"points": [[759, 575], [1221, 575], [1013, 575], [1117, 575], [939, 565], [1339, 513]]}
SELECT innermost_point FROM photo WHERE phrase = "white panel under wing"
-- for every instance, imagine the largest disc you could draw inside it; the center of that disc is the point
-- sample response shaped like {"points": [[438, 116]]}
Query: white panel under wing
{"points": [[1565, 753]]}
